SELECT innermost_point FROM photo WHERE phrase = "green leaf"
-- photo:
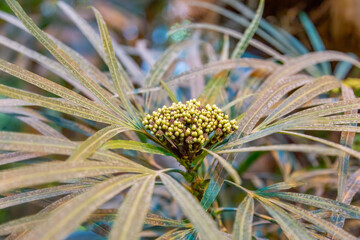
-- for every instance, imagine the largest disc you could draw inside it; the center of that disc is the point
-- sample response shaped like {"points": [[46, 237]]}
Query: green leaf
{"points": [[93, 143], [326, 142], [55, 104], [266, 99], [192, 209], [29, 196], [33, 143], [249, 33], [117, 72], [346, 139], [292, 228], [316, 201], [175, 234], [228, 167], [213, 188], [95, 41], [302, 95], [132, 212], [66, 218], [243, 220], [157, 220], [137, 146], [337, 233], [55, 88], [22, 224], [315, 39], [57, 171], [47, 63], [307, 148], [63, 57], [281, 186], [169, 92], [213, 88]]}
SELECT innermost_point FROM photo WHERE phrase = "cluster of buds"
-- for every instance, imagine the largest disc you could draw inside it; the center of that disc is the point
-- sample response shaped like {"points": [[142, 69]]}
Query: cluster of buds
{"points": [[189, 127]]}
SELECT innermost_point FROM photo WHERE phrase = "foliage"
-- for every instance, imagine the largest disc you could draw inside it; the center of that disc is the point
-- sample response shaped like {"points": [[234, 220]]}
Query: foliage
{"points": [[113, 152]]}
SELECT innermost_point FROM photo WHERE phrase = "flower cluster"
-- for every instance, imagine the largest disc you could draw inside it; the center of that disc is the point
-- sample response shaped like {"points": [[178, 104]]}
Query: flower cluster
{"points": [[189, 127]]}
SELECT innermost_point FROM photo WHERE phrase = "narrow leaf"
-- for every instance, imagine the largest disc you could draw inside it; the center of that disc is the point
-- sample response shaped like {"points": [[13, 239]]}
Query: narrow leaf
{"points": [[66, 218], [131, 214], [118, 74], [54, 104], [93, 143], [336, 232], [243, 220], [249, 33], [228, 167], [192, 209], [55, 171], [316, 201], [34, 195], [169, 92], [291, 227], [138, 146], [62, 56]]}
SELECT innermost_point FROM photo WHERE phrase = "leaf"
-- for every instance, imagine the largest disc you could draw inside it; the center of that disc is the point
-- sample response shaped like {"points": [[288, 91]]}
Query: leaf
{"points": [[316, 201], [337, 232], [281, 186], [157, 220], [47, 63], [315, 39], [353, 186], [192, 209], [89, 68], [34, 195], [241, 20], [54, 104], [267, 99], [132, 212], [158, 70], [307, 148], [164, 61], [302, 95], [243, 219], [217, 66], [212, 190], [93, 143], [95, 40], [346, 139], [175, 234], [56, 171], [326, 142], [54, 88], [249, 33], [230, 32], [42, 127], [137, 146], [291, 227], [22, 224], [62, 56], [297, 64], [169, 92], [11, 141], [118, 74], [67, 217], [12, 157], [325, 110], [228, 167], [213, 88]]}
